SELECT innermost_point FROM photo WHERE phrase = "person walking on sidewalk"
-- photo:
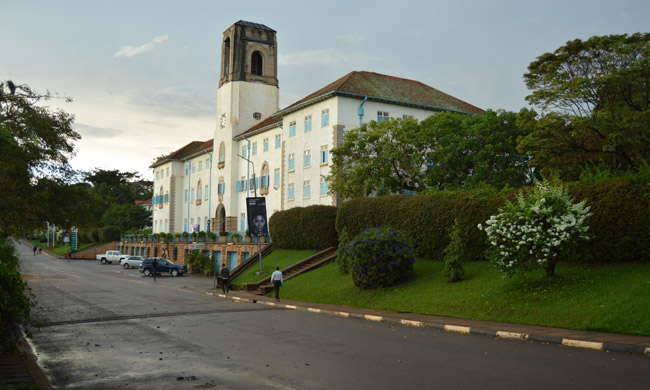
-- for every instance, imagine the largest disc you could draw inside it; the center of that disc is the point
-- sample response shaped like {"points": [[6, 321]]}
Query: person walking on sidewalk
{"points": [[276, 279], [225, 275], [35, 249]]}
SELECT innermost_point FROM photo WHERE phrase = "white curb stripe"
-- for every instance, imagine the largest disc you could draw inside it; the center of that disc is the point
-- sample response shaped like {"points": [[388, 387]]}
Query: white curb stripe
{"points": [[582, 344], [341, 314], [290, 307], [373, 318], [456, 328], [647, 351], [313, 310], [512, 335], [411, 323]]}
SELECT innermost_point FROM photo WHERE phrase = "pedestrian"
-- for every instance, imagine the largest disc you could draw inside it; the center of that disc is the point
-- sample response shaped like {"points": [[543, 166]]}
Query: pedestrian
{"points": [[154, 267], [35, 249], [225, 275], [40, 250], [67, 256], [276, 279]]}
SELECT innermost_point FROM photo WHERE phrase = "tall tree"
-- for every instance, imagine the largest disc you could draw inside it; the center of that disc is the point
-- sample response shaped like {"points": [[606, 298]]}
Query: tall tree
{"points": [[594, 97], [35, 144]]}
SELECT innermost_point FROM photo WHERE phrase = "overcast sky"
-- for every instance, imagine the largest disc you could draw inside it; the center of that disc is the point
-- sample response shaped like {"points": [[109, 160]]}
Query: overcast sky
{"points": [[144, 74]]}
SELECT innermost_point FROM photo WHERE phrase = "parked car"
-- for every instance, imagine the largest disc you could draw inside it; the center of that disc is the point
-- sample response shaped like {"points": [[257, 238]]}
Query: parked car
{"points": [[109, 256], [131, 261], [164, 266]]}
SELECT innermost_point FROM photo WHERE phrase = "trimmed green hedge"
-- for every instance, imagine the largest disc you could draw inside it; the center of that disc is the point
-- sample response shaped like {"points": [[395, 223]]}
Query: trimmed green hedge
{"points": [[310, 227], [620, 222], [425, 219], [109, 233]]}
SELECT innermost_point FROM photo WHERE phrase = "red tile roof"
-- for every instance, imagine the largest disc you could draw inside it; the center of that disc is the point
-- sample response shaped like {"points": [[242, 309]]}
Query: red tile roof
{"points": [[184, 152], [388, 88], [142, 202]]}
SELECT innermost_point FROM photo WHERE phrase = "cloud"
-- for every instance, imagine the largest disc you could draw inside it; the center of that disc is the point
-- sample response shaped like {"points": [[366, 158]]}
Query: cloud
{"points": [[350, 38], [88, 131], [177, 101], [130, 51], [326, 57]]}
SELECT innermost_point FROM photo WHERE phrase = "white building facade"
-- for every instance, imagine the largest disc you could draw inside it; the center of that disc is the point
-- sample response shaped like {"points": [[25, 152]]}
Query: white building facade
{"points": [[206, 183]]}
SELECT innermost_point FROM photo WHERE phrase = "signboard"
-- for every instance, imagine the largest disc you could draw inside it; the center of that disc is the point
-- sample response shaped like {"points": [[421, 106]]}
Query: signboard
{"points": [[197, 246], [195, 228], [257, 222], [65, 236]]}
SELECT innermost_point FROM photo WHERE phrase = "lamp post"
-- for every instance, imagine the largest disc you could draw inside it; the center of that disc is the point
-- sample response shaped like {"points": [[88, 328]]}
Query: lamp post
{"points": [[259, 243]]}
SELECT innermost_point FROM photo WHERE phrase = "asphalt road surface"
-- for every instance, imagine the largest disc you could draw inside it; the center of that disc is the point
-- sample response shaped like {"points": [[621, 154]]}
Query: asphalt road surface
{"points": [[103, 327]]}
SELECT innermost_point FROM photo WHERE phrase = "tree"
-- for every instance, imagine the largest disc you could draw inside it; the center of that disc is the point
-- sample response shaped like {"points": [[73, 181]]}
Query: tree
{"points": [[379, 156], [595, 104], [467, 150], [126, 216], [16, 302], [35, 144]]}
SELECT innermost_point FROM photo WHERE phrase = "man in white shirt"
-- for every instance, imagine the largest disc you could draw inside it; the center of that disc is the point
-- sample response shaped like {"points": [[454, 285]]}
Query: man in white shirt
{"points": [[276, 279]]}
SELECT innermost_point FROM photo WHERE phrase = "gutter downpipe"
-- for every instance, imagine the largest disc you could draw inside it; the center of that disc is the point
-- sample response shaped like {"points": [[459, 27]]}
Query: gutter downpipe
{"points": [[209, 193], [360, 111], [189, 176]]}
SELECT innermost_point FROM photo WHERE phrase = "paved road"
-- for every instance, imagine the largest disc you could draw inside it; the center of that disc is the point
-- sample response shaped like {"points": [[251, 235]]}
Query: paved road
{"points": [[105, 327]]}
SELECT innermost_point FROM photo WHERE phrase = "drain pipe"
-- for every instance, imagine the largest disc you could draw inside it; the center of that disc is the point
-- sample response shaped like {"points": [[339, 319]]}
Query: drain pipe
{"points": [[189, 176], [360, 111], [209, 193]]}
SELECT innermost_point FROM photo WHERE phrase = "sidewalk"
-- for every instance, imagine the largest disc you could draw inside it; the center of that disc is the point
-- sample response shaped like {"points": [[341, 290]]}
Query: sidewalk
{"points": [[639, 345], [19, 369]]}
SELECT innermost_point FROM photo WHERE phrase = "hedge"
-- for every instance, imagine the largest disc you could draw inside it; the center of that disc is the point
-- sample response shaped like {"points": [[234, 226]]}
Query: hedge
{"points": [[311, 227], [425, 219], [109, 233], [620, 223]]}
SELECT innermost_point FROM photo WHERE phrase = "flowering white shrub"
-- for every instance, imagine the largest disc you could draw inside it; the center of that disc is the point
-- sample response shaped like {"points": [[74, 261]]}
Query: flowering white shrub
{"points": [[537, 230]]}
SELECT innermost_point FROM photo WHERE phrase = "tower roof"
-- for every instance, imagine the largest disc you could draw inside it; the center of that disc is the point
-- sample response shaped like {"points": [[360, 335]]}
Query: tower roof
{"points": [[254, 25]]}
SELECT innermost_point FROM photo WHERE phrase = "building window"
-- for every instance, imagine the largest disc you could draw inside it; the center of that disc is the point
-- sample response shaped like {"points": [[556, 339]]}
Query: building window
{"points": [[206, 192], [222, 153], [243, 151], [292, 129], [276, 177], [254, 148], [407, 116], [166, 196], [165, 226], [325, 117], [200, 166], [292, 162], [242, 222], [278, 141], [186, 196], [221, 187], [307, 159], [382, 116], [291, 192], [185, 225], [323, 186], [192, 198], [193, 167], [207, 163], [306, 189], [187, 169], [256, 63], [265, 145], [157, 175], [167, 172], [324, 154], [257, 116], [307, 123]]}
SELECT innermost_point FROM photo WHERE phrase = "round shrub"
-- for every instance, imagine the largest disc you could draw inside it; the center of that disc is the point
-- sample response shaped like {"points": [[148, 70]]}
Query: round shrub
{"points": [[379, 257]]}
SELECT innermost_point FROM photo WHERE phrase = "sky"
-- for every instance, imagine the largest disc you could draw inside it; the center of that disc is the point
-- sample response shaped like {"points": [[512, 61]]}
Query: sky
{"points": [[143, 75]]}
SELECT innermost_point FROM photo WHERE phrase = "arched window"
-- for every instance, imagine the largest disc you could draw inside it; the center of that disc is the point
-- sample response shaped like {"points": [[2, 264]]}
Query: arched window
{"points": [[256, 63], [198, 193], [264, 180], [226, 57], [222, 155]]}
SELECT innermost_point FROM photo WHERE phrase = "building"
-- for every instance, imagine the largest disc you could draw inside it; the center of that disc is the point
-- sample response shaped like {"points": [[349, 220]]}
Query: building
{"points": [[207, 183]]}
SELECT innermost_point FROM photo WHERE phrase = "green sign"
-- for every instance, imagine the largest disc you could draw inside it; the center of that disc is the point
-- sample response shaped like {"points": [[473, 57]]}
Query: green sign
{"points": [[73, 242]]}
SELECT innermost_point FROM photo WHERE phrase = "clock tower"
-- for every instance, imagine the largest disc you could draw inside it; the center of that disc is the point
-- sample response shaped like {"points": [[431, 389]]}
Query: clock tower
{"points": [[248, 93]]}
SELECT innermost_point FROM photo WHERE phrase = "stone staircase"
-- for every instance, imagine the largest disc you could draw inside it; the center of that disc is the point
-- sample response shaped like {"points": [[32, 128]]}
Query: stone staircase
{"points": [[243, 267], [264, 286]]}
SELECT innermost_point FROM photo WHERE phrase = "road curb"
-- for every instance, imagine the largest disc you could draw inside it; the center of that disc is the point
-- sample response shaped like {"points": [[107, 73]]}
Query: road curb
{"points": [[507, 335]]}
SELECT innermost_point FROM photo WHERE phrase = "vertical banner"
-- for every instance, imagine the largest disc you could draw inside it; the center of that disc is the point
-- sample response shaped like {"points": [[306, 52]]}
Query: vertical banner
{"points": [[257, 222]]}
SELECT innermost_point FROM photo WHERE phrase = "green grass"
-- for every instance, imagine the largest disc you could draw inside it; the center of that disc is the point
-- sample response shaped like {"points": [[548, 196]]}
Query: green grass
{"points": [[278, 258], [607, 298], [59, 249]]}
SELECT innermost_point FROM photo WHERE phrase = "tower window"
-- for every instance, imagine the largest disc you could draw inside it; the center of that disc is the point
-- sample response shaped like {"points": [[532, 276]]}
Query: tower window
{"points": [[257, 116], [256, 63]]}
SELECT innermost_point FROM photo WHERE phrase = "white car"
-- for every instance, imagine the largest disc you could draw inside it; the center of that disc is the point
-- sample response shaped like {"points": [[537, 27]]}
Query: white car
{"points": [[131, 261]]}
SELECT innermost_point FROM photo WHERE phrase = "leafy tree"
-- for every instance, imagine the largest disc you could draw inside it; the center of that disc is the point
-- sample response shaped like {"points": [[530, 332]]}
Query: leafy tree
{"points": [[379, 156], [454, 270], [16, 302], [595, 104], [126, 216], [35, 144], [467, 150]]}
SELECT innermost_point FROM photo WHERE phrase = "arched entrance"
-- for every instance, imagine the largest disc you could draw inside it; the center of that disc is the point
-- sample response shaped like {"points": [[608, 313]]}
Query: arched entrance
{"points": [[220, 216]]}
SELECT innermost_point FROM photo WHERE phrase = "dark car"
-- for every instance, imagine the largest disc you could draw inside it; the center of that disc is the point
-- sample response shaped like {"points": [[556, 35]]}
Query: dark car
{"points": [[164, 267]]}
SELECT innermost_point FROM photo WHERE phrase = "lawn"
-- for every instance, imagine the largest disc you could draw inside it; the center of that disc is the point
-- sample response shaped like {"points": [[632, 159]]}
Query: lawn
{"points": [[59, 249], [607, 298], [278, 258]]}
